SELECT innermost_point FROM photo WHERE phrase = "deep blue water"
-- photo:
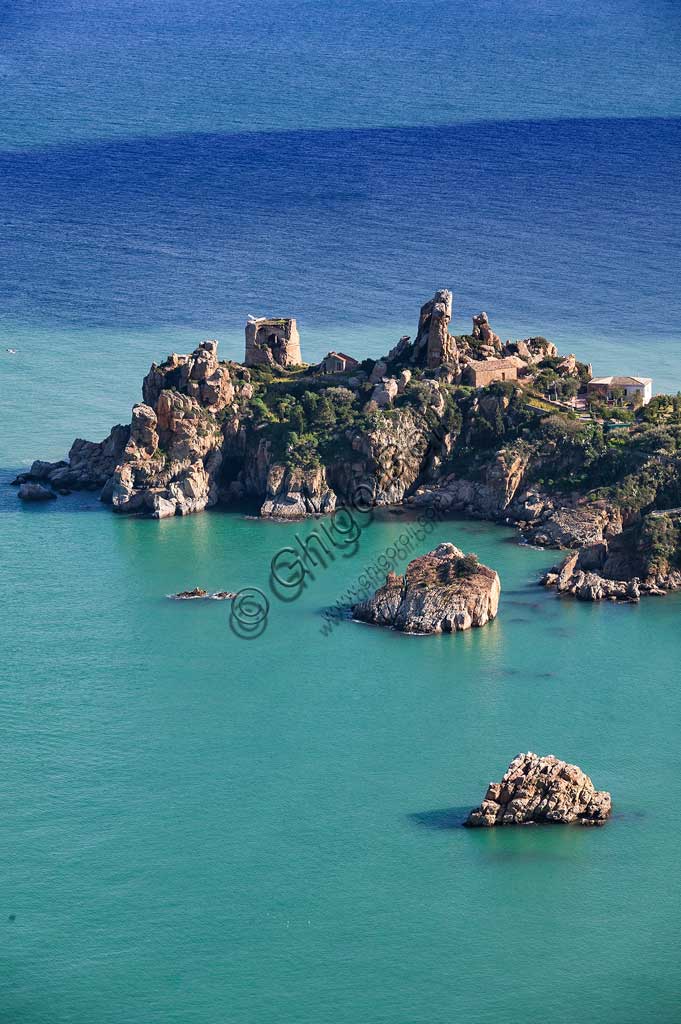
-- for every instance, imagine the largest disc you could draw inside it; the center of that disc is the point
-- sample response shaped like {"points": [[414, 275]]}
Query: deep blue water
{"points": [[109, 68], [199, 829], [557, 226]]}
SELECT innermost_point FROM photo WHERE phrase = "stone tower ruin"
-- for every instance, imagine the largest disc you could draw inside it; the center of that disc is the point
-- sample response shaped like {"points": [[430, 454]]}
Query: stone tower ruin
{"points": [[272, 342]]}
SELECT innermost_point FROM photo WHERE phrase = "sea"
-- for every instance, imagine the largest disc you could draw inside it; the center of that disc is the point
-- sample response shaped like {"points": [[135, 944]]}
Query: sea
{"points": [[202, 827]]}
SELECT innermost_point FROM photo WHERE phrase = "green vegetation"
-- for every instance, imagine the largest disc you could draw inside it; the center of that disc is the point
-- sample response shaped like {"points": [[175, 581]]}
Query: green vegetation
{"points": [[310, 421], [658, 544], [468, 565]]}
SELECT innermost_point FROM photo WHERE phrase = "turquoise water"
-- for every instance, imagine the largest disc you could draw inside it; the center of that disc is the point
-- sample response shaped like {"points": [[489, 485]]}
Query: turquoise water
{"points": [[197, 828]]}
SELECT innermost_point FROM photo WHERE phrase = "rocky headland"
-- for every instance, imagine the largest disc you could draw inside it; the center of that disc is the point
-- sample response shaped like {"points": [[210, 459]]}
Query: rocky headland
{"points": [[463, 422], [442, 592], [538, 790]]}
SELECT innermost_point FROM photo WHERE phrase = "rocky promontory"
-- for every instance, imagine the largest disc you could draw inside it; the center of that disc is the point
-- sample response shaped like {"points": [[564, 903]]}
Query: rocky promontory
{"points": [[464, 422], [541, 790], [442, 592]]}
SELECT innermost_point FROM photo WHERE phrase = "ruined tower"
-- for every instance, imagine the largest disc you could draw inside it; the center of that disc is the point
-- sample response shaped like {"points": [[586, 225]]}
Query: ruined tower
{"points": [[272, 342]]}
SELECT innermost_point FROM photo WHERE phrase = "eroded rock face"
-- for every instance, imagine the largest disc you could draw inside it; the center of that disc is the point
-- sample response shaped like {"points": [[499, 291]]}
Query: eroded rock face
{"points": [[488, 497], [167, 462], [386, 460], [434, 344], [170, 461], [541, 789], [209, 431], [90, 464], [384, 392], [484, 333], [295, 493], [441, 592], [576, 526]]}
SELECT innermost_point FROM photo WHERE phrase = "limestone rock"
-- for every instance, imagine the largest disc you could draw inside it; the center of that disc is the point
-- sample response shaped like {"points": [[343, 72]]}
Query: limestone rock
{"points": [[584, 575], [541, 789], [171, 462], [532, 350], [143, 432], [568, 365], [43, 470], [443, 591], [400, 350]]}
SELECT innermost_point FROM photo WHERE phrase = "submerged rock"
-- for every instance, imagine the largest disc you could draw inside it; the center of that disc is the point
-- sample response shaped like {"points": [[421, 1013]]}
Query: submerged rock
{"points": [[35, 492], [541, 789], [441, 592]]}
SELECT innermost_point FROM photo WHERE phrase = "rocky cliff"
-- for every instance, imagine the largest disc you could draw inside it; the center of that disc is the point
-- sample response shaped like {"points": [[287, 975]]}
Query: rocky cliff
{"points": [[442, 592], [541, 790]]}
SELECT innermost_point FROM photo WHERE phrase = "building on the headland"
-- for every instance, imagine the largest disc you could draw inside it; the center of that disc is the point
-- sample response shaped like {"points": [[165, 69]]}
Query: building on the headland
{"points": [[272, 341], [338, 362], [478, 373], [632, 389]]}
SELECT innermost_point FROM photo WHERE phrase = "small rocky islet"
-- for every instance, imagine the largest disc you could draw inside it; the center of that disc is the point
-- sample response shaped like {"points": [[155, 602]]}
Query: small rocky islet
{"points": [[541, 790], [444, 591], [466, 423]]}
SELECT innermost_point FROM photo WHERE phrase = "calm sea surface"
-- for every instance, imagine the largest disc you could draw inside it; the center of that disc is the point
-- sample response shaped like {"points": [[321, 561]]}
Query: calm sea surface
{"points": [[201, 829]]}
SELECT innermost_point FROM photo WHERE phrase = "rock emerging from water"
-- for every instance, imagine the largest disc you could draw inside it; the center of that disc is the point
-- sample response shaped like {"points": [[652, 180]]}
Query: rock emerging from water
{"points": [[199, 594], [442, 592], [541, 789], [35, 492]]}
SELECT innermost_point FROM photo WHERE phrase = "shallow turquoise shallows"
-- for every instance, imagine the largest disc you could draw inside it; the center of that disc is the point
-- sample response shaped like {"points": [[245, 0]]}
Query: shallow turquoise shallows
{"points": [[196, 828]]}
